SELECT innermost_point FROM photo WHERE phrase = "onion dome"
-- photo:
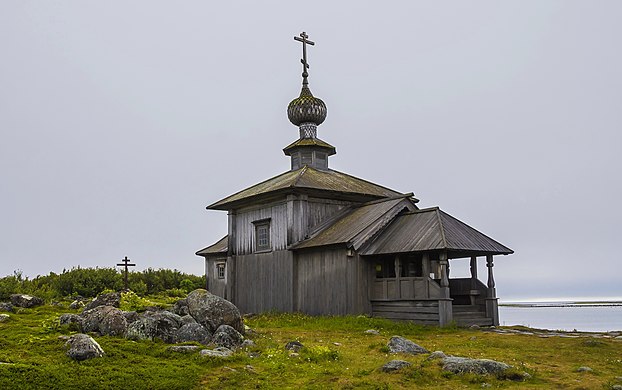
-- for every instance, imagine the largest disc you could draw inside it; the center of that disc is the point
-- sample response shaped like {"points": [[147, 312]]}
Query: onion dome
{"points": [[306, 109]]}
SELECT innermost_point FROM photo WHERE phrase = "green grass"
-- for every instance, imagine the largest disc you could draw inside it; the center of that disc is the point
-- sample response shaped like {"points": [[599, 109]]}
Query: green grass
{"points": [[337, 354]]}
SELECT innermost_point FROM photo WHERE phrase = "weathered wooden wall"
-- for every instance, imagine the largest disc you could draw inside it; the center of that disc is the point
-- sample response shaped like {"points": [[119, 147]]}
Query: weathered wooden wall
{"points": [[322, 209], [421, 312], [328, 282], [244, 241], [215, 286], [264, 282]]}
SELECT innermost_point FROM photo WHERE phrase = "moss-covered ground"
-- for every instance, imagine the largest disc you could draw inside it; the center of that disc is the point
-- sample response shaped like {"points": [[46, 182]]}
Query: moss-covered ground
{"points": [[337, 354]]}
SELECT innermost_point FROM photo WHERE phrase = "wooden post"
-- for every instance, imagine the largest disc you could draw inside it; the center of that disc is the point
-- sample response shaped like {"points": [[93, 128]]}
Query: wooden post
{"points": [[445, 310], [492, 302], [474, 292], [425, 260], [398, 283]]}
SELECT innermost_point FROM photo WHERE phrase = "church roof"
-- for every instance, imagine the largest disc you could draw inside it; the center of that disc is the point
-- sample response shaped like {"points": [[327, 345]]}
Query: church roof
{"points": [[217, 249], [357, 224], [432, 229], [310, 179]]}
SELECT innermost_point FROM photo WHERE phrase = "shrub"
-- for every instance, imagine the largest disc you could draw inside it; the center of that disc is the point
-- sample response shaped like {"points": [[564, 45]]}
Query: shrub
{"points": [[132, 302]]}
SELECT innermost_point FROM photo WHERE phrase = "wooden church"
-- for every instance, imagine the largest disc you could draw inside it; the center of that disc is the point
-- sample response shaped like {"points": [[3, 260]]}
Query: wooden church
{"points": [[322, 242]]}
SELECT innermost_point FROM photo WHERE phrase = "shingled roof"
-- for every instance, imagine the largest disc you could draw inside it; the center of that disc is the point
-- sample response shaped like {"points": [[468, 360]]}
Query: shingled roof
{"points": [[432, 229], [310, 179], [218, 249]]}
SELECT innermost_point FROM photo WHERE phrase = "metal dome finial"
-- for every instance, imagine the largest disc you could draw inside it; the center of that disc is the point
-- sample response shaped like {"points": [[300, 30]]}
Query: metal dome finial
{"points": [[303, 60]]}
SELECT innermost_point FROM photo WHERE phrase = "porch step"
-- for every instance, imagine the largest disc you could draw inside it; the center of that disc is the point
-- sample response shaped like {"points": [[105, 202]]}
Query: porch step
{"points": [[468, 308], [468, 321]]}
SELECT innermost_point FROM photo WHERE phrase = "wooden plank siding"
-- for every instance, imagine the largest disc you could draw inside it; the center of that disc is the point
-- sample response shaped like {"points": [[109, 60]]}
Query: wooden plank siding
{"points": [[321, 210], [215, 286], [421, 312], [264, 282], [331, 283], [244, 242]]}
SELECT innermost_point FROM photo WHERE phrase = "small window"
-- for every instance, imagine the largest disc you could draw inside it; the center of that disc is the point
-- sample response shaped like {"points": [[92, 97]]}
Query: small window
{"points": [[320, 159], [220, 270], [412, 266], [385, 267], [262, 235], [307, 157]]}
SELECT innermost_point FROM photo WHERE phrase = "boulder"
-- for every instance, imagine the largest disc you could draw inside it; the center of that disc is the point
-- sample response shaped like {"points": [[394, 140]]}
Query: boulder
{"points": [[395, 365], [461, 365], [109, 299], [193, 332], [226, 336], [77, 304], [91, 318], [4, 317], [131, 316], [182, 348], [74, 321], [114, 323], [188, 319], [398, 344], [247, 344], [25, 300], [6, 306], [584, 369], [217, 352], [436, 355], [154, 325], [181, 307], [213, 311], [294, 346], [372, 331], [82, 347]]}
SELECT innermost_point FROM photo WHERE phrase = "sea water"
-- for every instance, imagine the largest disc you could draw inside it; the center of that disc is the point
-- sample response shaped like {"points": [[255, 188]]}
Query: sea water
{"points": [[568, 316]]}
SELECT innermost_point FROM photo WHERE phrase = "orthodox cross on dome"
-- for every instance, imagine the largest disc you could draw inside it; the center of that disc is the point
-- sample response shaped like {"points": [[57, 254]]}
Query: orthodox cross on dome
{"points": [[126, 263], [305, 64]]}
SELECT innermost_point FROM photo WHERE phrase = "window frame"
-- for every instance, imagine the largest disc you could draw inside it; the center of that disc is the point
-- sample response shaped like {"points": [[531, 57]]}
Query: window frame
{"points": [[262, 225], [221, 269]]}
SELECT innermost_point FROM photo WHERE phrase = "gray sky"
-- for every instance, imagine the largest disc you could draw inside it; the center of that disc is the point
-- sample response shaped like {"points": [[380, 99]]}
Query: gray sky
{"points": [[121, 120]]}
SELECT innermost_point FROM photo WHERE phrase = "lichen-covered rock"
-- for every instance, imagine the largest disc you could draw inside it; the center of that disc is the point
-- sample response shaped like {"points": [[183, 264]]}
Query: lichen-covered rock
{"points": [[6, 306], [213, 311], [584, 369], [182, 348], [154, 325], [217, 352], [74, 321], [4, 317], [294, 346], [82, 347], [398, 344], [91, 318], [226, 336], [188, 319], [461, 365], [395, 365], [109, 299], [25, 300], [77, 304], [114, 323], [181, 307], [193, 332], [436, 355], [372, 332], [131, 316]]}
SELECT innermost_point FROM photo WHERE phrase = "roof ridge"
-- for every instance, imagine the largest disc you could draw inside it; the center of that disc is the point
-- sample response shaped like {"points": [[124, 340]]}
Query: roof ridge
{"points": [[300, 174], [363, 180], [471, 227], [437, 210]]}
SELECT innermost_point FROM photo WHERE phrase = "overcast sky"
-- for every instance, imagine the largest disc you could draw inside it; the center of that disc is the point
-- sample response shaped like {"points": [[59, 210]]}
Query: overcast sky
{"points": [[121, 120]]}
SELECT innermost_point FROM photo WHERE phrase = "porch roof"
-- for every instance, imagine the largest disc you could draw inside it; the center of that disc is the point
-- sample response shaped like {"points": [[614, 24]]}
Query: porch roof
{"points": [[432, 229], [217, 249]]}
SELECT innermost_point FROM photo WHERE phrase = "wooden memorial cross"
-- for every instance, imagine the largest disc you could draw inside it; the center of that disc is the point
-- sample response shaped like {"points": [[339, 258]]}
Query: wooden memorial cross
{"points": [[305, 64], [126, 263]]}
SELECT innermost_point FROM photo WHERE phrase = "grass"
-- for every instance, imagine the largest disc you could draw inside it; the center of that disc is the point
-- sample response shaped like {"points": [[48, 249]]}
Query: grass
{"points": [[337, 354]]}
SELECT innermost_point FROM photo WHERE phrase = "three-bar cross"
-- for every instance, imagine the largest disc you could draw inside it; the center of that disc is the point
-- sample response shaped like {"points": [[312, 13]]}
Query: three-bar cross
{"points": [[305, 64], [126, 263]]}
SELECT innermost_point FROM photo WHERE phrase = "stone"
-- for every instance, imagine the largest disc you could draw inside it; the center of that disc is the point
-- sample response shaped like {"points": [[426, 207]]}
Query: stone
{"points": [[213, 311], [218, 352], [114, 323], [372, 331], [193, 332], [228, 337], [181, 307], [91, 318], [76, 305], [616, 387], [294, 346], [398, 344], [131, 316], [247, 344], [154, 325], [4, 317], [461, 365], [188, 319], [6, 306], [436, 355], [584, 369], [182, 348], [83, 347], [25, 300], [395, 365], [73, 321], [109, 299], [474, 327]]}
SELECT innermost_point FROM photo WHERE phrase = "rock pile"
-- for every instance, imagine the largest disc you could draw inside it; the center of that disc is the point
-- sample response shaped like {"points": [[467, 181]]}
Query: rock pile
{"points": [[25, 300]]}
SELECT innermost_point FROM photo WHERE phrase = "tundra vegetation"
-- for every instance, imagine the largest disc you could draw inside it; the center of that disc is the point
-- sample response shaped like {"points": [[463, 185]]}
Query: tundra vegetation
{"points": [[336, 352]]}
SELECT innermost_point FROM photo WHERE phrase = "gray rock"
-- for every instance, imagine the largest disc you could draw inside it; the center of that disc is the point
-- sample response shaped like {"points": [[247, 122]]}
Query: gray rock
{"points": [[616, 387], [436, 355], [74, 321], [294, 346], [372, 331], [25, 300], [461, 365], [247, 344], [182, 348], [213, 311], [188, 319], [395, 365], [170, 316], [109, 299], [6, 306], [398, 344], [584, 369], [82, 347], [226, 336], [77, 304], [193, 332], [154, 325], [131, 316], [181, 307], [218, 352], [114, 323], [91, 318], [4, 317]]}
